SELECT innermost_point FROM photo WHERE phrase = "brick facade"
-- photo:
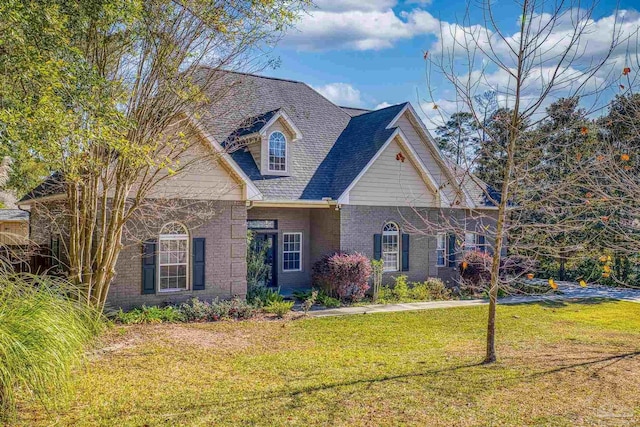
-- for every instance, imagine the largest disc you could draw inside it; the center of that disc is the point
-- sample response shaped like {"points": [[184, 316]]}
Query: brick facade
{"points": [[221, 223], [225, 233], [359, 224], [224, 226]]}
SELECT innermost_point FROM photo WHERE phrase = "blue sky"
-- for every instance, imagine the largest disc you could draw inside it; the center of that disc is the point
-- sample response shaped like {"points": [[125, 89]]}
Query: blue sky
{"points": [[369, 53]]}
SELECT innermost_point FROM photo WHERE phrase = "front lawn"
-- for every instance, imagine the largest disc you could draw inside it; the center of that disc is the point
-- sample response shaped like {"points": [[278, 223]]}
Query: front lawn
{"points": [[564, 364]]}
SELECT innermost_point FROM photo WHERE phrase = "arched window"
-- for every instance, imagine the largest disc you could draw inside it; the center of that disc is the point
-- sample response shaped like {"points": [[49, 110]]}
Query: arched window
{"points": [[277, 152], [391, 246], [173, 265]]}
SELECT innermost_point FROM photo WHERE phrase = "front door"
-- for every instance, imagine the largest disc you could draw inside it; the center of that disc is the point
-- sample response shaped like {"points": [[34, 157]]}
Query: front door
{"points": [[268, 244]]}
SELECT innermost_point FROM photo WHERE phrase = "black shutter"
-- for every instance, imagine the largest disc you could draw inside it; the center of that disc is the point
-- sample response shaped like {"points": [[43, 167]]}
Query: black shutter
{"points": [[149, 267], [198, 263], [405, 252], [452, 250], [481, 245], [377, 246]]}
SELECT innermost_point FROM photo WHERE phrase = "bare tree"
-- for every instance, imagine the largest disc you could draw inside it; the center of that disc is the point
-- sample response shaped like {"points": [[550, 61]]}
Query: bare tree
{"points": [[526, 71], [118, 111]]}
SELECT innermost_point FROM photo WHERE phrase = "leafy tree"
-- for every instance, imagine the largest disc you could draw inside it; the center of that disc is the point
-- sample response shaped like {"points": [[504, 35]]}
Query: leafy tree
{"points": [[106, 94], [458, 139]]}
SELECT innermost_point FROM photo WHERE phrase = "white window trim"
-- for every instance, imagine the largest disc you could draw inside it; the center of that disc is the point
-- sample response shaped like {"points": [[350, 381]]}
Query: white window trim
{"points": [[398, 251], [185, 237], [476, 242], [469, 246], [299, 233], [442, 236], [286, 154]]}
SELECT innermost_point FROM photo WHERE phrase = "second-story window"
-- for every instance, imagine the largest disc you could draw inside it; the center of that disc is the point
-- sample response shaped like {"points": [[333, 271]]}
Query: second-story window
{"points": [[277, 152]]}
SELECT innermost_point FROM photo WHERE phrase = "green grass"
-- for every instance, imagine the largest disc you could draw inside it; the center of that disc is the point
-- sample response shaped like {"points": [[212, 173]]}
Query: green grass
{"points": [[575, 364]]}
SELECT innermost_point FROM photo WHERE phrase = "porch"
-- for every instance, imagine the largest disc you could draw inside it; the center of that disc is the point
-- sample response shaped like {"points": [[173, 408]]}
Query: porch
{"points": [[295, 238]]}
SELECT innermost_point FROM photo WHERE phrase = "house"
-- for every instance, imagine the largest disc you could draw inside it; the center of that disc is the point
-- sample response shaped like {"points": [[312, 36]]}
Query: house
{"points": [[14, 222], [14, 227], [309, 178]]}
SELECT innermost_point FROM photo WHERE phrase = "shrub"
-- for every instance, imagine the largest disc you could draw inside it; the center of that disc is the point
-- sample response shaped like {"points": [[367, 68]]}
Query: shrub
{"points": [[44, 330], [420, 292], [437, 289], [151, 314], [309, 302], [279, 308], [327, 301], [475, 270], [400, 289], [302, 295], [197, 311], [264, 295], [518, 265], [343, 275]]}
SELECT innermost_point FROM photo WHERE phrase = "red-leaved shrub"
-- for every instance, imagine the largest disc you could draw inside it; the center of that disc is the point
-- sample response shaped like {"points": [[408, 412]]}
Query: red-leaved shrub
{"points": [[343, 275]]}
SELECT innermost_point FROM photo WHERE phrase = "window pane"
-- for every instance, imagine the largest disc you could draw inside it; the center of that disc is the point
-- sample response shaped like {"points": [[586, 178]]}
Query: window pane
{"points": [[182, 282]]}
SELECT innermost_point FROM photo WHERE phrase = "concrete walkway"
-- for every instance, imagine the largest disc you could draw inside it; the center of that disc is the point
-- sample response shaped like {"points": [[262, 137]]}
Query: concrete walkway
{"points": [[570, 291]]}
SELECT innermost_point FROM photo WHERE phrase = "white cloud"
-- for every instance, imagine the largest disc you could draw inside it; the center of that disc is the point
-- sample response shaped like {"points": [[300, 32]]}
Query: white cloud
{"points": [[382, 105], [351, 29], [341, 94]]}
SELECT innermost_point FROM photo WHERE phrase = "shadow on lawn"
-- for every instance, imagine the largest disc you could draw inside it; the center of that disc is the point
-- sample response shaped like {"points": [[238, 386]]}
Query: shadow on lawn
{"points": [[611, 359], [492, 375], [557, 303]]}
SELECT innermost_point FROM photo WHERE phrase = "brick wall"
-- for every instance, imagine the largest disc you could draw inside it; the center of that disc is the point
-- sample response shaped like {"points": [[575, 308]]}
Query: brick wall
{"points": [[221, 223], [224, 230], [360, 223], [325, 232]]}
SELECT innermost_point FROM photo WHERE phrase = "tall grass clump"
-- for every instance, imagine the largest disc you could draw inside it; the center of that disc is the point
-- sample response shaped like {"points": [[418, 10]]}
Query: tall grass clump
{"points": [[44, 329]]}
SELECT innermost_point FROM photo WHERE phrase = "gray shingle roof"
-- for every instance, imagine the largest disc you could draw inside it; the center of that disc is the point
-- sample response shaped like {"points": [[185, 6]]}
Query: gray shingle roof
{"points": [[354, 111], [13, 215], [319, 120], [336, 143], [355, 147]]}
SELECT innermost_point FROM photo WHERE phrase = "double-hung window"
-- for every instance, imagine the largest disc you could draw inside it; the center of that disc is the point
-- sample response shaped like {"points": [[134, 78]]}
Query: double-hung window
{"points": [[292, 251], [173, 255], [441, 249], [391, 247]]}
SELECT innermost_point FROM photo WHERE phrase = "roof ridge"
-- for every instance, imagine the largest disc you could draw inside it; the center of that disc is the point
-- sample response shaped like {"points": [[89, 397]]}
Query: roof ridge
{"points": [[382, 109], [253, 75], [355, 108]]}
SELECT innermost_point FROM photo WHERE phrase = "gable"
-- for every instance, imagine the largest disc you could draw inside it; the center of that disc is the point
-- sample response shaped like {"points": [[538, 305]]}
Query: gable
{"points": [[430, 158], [390, 182], [262, 155]]}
